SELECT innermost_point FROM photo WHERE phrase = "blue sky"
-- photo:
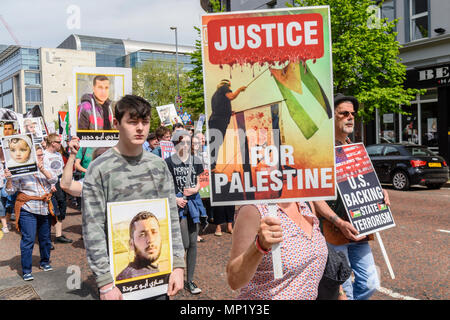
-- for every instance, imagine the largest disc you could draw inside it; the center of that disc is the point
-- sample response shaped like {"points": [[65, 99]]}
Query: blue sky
{"points": [[46, 23]]}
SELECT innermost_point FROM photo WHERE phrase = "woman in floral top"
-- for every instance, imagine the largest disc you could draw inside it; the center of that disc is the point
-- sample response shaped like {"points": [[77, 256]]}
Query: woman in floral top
{"points": [[303, 253]]}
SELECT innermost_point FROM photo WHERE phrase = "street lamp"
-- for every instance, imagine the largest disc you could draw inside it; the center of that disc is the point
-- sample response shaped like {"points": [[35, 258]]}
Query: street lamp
{"points": [[176, 48]]}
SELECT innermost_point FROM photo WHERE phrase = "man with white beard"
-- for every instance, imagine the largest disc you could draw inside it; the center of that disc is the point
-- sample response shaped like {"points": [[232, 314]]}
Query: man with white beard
{"points": [[337, 229]]}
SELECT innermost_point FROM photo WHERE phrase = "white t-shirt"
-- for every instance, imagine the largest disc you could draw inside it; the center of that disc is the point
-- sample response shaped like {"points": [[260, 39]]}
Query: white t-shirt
{"points": [[54, 161]]}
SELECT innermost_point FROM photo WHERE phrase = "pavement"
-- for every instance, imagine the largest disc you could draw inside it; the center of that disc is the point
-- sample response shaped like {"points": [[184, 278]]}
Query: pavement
{"points": [[72, 278], [447, 184]]}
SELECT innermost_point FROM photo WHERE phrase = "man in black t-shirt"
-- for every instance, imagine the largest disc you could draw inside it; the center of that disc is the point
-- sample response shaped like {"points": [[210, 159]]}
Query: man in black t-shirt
{"points": [[221, 113]]}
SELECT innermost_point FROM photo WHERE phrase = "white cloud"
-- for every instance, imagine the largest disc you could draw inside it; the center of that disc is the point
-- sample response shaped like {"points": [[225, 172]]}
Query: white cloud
{"points": [[43, 23]]}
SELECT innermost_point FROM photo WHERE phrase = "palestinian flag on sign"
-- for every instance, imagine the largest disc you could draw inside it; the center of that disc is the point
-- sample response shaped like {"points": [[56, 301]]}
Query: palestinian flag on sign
{"points": [[382, 206], [306, 101], [355, 213], [63, 123]]}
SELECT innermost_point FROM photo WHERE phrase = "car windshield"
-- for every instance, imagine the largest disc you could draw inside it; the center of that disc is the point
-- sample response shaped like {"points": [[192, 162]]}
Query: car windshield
{"points": [[419, 151]]}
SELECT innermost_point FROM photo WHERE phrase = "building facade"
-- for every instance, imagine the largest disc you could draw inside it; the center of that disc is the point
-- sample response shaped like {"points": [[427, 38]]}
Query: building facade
{"points": [[39, 76], [424, 33], [43, 76], [112, 52]]}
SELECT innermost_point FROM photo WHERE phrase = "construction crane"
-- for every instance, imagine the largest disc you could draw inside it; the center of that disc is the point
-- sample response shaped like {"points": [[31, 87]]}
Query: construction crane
{"points": [[9, 30]]}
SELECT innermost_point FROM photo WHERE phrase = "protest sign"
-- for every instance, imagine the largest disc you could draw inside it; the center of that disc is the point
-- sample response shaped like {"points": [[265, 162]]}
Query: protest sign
{"points": [[9, 128], [200, 122], [167, 149], [268, 91], [140, 246], [203, 179], [35, 126], [20, 154], [91, 109], [361, 191], [168, 115]]}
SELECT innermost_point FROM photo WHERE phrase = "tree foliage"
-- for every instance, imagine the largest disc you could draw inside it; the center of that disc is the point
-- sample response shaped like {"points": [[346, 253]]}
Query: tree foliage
{"points": [[366, 57], [193, 94], [156, 81]]}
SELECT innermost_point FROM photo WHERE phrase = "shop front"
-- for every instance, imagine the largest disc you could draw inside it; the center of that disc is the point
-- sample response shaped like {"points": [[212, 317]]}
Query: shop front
{"points": [[428, 121]]}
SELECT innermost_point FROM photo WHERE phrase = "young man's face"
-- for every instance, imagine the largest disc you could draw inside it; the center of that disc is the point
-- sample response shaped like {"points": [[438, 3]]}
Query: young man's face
{"points": [[344, 120], [167, 136], [101, 90], [133, 131], [8, 129], [147, 240]]}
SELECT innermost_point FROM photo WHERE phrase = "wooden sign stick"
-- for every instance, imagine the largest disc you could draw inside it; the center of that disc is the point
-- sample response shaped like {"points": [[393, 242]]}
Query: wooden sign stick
{"points": [[276, 248], [383, 251]]}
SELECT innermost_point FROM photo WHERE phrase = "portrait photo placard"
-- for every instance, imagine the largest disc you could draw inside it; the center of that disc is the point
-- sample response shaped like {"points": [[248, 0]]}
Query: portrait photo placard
{"points": [[168, 115], [9, 128], [19, 154], [140, 247], [34, 126], [91, 109]]}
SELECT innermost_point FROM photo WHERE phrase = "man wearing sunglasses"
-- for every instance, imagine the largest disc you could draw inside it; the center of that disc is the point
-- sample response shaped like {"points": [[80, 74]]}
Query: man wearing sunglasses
{"points": [[54, 160], [337, 229]]}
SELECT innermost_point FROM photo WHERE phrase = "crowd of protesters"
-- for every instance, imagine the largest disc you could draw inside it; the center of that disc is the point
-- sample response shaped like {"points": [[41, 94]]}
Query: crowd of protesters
{"points": [[90, 176]]}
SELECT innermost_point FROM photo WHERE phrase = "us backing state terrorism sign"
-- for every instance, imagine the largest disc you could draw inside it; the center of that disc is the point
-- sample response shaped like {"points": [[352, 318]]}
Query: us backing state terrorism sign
{"points": [[268, 91], [361, 191]]}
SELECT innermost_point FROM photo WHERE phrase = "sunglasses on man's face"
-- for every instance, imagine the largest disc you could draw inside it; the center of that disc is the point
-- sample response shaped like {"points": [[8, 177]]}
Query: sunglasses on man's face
{"points": [[345, 114], [57, 142]]}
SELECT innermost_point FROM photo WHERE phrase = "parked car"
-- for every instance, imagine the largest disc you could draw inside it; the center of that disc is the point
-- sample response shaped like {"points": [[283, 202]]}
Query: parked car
{"points": [[404, 165]]}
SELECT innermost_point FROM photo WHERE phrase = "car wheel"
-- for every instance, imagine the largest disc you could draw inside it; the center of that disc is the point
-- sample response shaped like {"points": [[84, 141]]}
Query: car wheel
{"points": [[400, 181], [434, 185]]}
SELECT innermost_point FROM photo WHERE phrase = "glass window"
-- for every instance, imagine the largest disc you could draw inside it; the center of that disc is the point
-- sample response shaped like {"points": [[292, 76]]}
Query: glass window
{"points": [[7, 99], [7, 85], [391, 151], [419, 151], [419, 27], [32, 94], [374, 150], [410, 126], [389, 127], [430, 94], [32, 78], [419, 6], [429, 125], [30, 106]]}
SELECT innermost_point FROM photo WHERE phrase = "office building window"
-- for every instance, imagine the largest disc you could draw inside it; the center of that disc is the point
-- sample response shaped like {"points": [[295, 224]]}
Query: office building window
{"points": [[30, 106], [7, 99], [32, 94], [418, 13], [7, 85], [32, 78]]}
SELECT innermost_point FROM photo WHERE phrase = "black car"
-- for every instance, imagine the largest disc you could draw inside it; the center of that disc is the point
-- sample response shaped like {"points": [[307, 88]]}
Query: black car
{"points": [[404, 165]]}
